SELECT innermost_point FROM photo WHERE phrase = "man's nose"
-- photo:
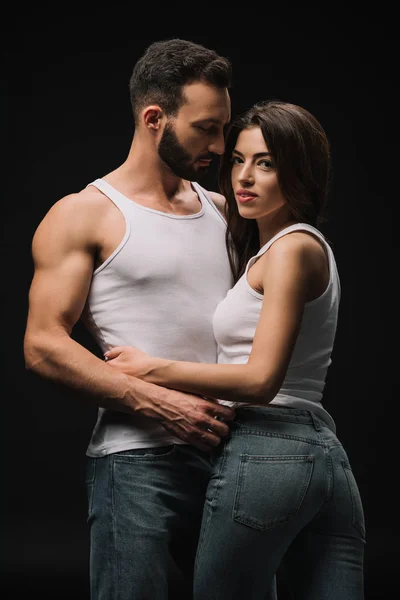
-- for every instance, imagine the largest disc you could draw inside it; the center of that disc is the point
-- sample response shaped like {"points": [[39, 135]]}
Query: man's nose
{"points": [[218, 145]]}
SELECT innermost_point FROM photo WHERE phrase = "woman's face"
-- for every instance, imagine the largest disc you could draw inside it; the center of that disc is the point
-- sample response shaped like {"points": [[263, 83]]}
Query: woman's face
{"points": [[254, 177]]}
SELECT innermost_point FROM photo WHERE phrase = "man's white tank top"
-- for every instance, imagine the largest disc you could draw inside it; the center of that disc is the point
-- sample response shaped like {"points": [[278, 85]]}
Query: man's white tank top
{"points": [[236, 319], [157, 291]]}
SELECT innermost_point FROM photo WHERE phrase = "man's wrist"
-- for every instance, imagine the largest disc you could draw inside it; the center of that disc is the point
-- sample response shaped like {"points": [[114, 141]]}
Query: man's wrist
{"points": [[145, 398]]}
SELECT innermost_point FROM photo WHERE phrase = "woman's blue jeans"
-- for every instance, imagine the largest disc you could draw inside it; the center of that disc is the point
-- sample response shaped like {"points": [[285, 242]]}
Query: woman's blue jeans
{"points": [[281, 491]]}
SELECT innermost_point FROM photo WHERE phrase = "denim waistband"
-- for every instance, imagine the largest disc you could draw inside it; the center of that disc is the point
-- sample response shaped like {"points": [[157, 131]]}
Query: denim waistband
{"points": [[253, 415]]}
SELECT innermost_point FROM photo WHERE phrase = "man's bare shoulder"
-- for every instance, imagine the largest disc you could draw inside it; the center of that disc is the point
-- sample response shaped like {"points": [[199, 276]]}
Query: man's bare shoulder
{"points": [[219, 201], [85, 200], [75, 216], [86, 206]]}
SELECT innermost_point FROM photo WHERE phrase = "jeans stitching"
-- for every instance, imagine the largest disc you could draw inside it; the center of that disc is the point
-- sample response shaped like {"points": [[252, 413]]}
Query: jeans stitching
{"points": [[212, 503], [329, 470], [135, 454], [358, 525], [281, 435], [116, 565], [90, 485]]}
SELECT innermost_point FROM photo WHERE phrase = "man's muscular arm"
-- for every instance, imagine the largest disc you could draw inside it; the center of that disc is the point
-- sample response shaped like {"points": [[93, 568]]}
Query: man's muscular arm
{"points": [[63, 249]]}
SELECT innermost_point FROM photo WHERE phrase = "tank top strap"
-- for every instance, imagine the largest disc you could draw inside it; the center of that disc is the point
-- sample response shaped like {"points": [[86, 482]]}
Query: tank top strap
{"points": [[114, 195], [290, 229], [205, 195]]}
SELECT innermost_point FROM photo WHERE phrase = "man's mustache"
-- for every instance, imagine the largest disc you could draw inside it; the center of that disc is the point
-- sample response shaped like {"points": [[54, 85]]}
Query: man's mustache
{"points": [[208, 156]]}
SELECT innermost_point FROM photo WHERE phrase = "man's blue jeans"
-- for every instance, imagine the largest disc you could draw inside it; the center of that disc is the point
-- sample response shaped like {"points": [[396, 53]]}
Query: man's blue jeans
{"points": [[281, 491], [145, 511]]}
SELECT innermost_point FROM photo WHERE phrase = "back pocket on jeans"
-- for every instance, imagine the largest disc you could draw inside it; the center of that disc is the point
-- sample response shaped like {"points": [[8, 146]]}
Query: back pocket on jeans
{"points": [[270, 489]]}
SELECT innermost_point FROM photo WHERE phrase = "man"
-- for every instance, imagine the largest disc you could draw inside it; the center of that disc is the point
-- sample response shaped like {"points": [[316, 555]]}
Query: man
{"points": [[139, 255]]}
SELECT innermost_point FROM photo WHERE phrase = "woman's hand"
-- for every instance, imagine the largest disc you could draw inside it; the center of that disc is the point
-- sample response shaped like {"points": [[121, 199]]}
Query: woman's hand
{"points": [[131, 361]]}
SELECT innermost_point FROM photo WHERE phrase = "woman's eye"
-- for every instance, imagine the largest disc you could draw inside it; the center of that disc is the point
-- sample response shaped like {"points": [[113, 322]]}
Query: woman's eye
{"points": [[265, 163], [235, 160]]}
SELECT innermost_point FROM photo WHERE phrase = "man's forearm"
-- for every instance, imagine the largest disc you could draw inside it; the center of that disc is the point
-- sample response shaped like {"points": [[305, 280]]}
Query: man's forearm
{"points": [[62, 360], [190, 418]]}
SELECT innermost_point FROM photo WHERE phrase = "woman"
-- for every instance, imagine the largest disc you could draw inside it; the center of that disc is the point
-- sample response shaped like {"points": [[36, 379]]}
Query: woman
{"points": [[282, 490]]}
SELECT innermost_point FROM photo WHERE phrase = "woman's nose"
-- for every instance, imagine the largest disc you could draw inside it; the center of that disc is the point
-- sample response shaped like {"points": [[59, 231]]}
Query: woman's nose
{"points": [[246, 175]]}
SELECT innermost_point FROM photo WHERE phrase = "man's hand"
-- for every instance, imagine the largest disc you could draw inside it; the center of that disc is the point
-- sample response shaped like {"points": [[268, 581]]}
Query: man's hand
{"points": [[192, 419]]}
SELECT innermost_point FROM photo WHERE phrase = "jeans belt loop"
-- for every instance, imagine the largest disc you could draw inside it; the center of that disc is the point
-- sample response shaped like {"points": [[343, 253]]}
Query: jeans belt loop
{"points": [[315, 421]]}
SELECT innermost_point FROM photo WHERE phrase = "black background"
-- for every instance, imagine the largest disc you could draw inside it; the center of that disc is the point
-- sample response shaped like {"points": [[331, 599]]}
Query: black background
{"points": [[66, 119]]}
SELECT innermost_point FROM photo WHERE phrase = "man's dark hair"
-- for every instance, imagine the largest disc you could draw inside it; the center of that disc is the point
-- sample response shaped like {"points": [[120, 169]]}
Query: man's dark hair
{"points": [[166, 66]]}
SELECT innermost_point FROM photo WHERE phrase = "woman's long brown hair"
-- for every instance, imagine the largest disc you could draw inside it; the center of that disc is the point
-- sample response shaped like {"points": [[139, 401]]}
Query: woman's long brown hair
{"points": [[301, 155]]}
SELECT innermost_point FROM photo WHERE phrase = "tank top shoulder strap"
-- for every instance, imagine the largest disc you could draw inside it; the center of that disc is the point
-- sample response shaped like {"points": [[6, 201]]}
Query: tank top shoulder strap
{"points": [[205, 195], [334, 275], [114, 195], [290, 229], [333, 271]]}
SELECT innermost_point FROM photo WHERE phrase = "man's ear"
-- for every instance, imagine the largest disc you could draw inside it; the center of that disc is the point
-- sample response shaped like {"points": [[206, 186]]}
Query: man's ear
{"points": [[152, 116]]}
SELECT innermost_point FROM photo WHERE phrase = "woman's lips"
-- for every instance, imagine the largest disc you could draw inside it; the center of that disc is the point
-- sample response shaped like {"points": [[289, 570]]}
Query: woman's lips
{"points": [[244, 197]]}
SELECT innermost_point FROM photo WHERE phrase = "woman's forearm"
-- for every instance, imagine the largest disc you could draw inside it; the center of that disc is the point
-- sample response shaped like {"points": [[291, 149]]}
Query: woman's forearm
{"points": [[238, 383]]}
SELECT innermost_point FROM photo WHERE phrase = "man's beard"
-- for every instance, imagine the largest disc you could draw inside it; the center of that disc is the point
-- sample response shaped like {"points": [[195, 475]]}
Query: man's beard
{"points": [[174, 155]]}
